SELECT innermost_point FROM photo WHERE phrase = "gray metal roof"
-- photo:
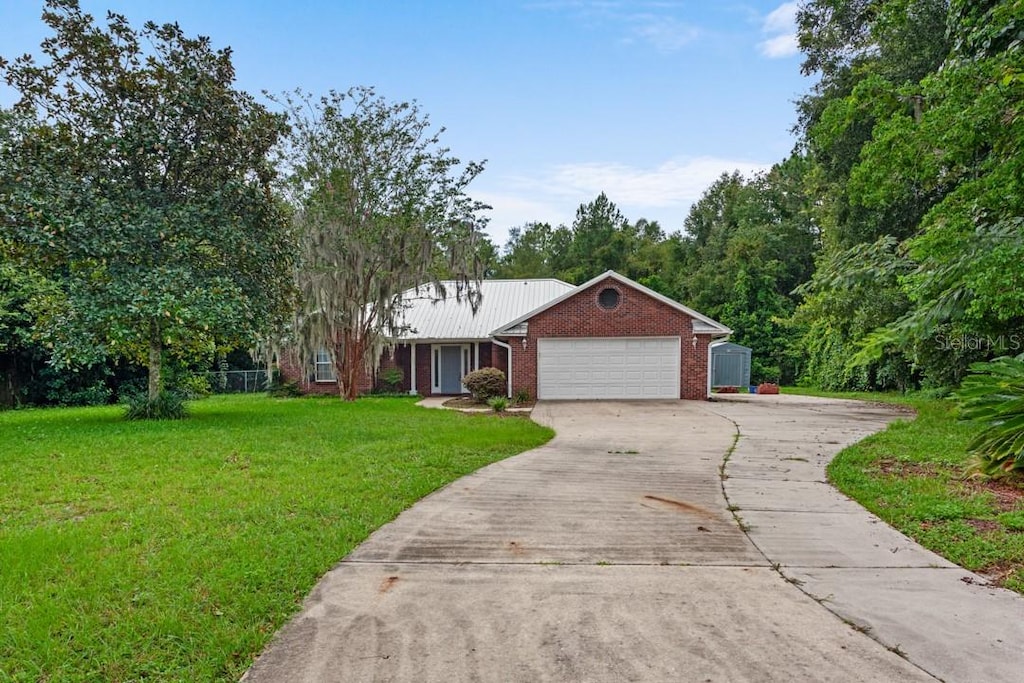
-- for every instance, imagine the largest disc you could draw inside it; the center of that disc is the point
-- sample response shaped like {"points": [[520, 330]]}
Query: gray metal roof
{"points": [[430, 317]]}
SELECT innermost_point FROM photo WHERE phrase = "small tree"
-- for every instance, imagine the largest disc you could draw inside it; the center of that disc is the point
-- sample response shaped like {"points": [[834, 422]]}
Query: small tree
{"points": [[145, 185], [380, 207]]}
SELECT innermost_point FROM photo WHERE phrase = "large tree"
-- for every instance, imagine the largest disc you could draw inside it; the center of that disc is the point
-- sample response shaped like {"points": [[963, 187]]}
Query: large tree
{"points": [[145, 183], [380, 206]]}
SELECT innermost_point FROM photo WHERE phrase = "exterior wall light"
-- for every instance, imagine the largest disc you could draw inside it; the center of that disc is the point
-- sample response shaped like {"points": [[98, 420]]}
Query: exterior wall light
{"points": [[524, 343]]}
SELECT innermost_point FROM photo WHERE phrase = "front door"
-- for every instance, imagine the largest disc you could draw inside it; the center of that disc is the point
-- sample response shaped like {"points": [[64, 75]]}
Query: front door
{"points": [[450, 373]]}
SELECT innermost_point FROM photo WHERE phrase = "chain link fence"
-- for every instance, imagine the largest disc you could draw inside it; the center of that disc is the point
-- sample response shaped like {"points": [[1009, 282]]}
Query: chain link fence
{"points": [[237, 381]]}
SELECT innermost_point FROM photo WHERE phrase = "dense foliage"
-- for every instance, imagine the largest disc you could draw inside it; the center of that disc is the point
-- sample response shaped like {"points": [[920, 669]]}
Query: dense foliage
{"points": [[137, 179], [914, 132]]}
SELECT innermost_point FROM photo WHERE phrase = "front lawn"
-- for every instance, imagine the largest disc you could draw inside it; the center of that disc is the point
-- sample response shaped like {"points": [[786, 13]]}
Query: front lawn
{"points": [[915, 476], [174, 550]]}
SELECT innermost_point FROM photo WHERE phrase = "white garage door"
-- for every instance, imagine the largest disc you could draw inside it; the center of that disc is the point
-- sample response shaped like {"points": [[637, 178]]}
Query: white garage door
{"points": [[619, 367]]}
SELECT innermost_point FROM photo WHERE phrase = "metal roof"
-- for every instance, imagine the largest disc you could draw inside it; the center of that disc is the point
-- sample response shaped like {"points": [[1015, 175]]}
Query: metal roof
{"points": [[428, 316], [701, 323]]}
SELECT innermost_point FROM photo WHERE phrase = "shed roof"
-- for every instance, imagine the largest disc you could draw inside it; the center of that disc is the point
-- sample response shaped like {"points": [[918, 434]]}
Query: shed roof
{"points": [[428, 316]]}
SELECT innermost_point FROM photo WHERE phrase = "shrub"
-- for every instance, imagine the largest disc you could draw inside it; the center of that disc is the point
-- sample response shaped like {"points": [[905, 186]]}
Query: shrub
{"points": [[993, 397], [169, 405], [279, 388], [521, 396], [194, 386], [498, 403], [97, 394], [485, 383], [391, 380]]}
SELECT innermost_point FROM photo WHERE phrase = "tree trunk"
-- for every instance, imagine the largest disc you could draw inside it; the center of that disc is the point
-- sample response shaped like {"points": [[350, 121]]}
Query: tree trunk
{"points": [[351, 357], [155, 355]]}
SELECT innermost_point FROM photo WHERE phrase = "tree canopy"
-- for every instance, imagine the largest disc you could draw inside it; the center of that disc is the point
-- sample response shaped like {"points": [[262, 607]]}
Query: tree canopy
{"points": [[137, 173], [380, 207]]}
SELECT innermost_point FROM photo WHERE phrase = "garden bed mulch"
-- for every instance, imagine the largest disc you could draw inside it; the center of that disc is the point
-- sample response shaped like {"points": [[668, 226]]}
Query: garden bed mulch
{"points": [[467, 404]]}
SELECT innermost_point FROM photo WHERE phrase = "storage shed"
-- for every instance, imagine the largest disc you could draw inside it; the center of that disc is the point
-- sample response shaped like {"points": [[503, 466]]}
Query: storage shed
{"points": [[730, 365]]}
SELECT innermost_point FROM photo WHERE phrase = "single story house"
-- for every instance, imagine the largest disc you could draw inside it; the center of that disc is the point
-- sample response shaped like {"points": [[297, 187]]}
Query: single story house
{"points": [[608, 338]]}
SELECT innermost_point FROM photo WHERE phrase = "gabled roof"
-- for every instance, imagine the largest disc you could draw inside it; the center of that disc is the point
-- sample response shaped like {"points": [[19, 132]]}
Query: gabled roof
{"points": [[429, 317], [701, 323]]}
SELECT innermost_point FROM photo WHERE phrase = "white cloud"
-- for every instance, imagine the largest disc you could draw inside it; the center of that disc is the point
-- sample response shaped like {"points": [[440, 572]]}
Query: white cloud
{"points": [[651, 21], [779, 46], [666, 34], [672, 183], [663, 193], [780, 27], [513, 210], [782, 19]]}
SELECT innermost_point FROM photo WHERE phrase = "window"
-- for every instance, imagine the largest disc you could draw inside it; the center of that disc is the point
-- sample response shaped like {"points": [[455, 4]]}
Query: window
{"points": [[608, 298], [323, 367]]}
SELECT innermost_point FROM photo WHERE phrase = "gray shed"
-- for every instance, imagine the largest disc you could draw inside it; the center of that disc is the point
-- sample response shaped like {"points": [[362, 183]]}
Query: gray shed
{"points": [[730, 365]]}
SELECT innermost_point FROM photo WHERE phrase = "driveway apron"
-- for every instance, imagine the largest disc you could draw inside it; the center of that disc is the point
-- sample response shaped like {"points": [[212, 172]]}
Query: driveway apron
{"points": [[609, 554]]}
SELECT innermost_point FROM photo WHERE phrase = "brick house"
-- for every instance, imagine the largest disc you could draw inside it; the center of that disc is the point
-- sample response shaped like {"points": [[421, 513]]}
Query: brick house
{"points": [[609, 338]]}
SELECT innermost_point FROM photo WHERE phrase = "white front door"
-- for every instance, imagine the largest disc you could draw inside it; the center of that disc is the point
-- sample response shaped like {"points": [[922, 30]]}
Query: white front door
{"points": [[612, 367]]}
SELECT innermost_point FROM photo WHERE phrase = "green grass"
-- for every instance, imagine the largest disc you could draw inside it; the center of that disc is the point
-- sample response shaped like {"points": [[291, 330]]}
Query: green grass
{"points": [[174, 550], [916, 476]]}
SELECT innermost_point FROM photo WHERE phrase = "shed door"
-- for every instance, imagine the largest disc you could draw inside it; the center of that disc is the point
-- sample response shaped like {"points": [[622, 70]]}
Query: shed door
{"points": [[619, 367]]}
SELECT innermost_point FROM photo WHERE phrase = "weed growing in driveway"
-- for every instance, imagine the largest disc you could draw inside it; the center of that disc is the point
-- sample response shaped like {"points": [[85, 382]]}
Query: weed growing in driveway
{"points": [[174, 550]]}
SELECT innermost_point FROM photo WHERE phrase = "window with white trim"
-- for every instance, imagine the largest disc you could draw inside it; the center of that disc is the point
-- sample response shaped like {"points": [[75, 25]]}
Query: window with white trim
{"points": [[323, 368]]}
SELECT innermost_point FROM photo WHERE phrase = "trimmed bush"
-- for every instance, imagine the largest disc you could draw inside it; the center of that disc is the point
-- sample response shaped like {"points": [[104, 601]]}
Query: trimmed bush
{"points": [[485, 383]]}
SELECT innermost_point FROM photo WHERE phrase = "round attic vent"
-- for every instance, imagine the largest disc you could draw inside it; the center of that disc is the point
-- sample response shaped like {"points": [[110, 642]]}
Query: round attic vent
{"points": [[608, 298]]}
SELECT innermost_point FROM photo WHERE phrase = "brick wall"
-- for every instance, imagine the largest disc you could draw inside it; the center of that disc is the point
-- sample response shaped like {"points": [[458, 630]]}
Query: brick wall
{"points": [[291, 371], [636, 315]]}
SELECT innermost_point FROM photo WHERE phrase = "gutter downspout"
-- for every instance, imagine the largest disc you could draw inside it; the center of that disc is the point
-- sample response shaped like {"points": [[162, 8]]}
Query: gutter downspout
{"points": [[708, 396], [509, 349], [412, 369]]}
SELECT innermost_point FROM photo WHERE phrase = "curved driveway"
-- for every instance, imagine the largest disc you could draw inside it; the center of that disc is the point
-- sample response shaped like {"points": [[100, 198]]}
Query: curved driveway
{"points": [[613, 554]]}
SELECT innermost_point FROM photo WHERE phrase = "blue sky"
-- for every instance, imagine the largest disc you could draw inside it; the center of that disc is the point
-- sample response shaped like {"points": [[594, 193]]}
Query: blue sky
{"points": [[648, 101]]}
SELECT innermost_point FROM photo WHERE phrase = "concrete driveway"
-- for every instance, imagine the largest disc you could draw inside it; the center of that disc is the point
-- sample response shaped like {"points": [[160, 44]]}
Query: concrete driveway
{"points": [[613, 554]]}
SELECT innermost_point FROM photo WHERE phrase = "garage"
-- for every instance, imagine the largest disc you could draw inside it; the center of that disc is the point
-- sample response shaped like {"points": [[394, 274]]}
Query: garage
{"points": [[610, 367]]}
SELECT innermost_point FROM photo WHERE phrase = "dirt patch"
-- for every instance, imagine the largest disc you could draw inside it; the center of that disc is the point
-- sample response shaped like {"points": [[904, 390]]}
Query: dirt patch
{"points": [[984, 526], [463, 402], [905, 468], [1007, 495], [998, 573], [894, 407]]}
